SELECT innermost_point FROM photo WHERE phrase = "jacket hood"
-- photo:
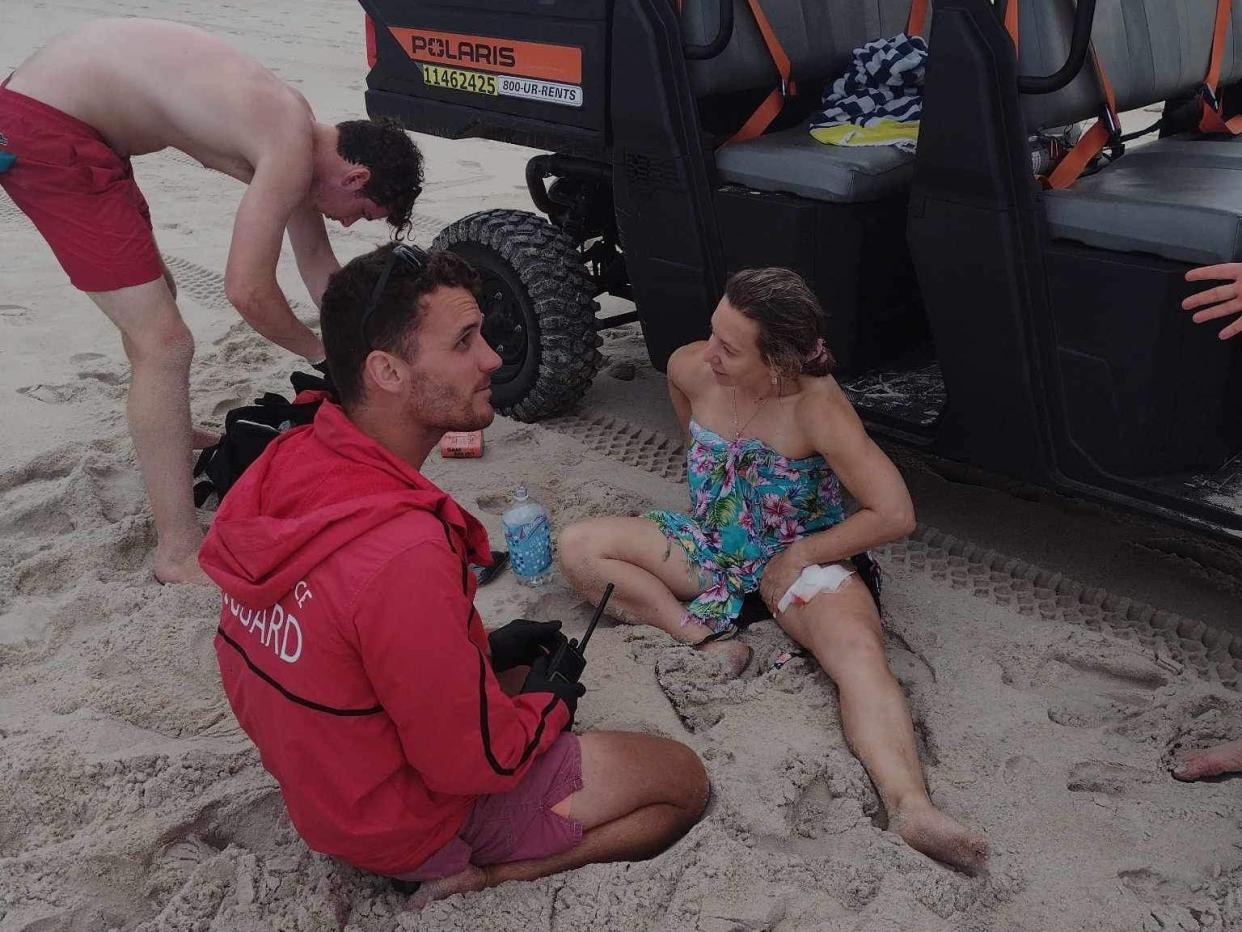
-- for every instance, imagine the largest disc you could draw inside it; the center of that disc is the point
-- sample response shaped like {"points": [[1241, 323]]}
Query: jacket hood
{"points": [[313, 491]]}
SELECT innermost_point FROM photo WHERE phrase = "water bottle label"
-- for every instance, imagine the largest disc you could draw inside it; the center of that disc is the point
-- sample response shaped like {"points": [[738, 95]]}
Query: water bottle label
{"points": [[530, 546]]}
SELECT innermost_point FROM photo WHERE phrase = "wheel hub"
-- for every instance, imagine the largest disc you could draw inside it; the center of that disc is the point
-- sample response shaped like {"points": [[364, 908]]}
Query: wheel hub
{"points": [[504, 327]]}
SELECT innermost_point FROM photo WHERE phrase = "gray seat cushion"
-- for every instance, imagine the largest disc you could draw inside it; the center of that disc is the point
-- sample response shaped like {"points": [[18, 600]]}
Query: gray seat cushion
{"points": [[794, 162], [1180, 198]]}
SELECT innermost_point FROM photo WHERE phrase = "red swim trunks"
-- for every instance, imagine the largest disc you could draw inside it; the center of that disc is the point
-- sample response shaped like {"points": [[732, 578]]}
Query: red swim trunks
{"points": [[80, 194], [518, 825]]}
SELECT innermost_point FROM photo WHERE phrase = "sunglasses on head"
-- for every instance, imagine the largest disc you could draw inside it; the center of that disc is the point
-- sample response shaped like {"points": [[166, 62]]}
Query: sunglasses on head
{"points": [[413, 259]]}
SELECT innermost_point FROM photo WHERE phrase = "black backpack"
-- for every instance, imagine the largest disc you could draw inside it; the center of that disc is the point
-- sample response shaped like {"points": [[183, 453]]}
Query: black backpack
{"points": [[247, 432]]}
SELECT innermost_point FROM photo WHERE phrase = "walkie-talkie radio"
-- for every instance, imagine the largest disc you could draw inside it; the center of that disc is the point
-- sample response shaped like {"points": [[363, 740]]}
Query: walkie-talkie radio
{"points": [[568, 661]]}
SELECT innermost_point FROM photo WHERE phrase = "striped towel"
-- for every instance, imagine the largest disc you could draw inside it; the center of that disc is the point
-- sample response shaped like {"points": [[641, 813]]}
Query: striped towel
{"points": [[879, 100]]}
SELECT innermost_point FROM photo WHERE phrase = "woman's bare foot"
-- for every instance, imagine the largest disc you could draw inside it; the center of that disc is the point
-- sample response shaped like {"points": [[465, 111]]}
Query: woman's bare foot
{"points": [[734, 656], [471, 879], [1210, 762], [201, 439], [925, 828], [183, 571]]}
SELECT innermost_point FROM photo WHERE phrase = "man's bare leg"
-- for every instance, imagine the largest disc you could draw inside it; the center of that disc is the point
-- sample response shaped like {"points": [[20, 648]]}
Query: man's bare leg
{"points": [[160, 347], [653, 577], [640, 794], [1210, 762], [842, 629]]}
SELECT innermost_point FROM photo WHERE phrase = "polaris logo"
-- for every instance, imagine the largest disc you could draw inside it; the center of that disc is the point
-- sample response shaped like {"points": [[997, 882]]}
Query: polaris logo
{"points": [[502, 54], [465, 51]]}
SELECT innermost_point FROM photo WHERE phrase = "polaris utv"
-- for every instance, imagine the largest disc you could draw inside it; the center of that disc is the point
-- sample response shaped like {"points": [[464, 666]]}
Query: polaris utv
{"points": [[1030, 329]]}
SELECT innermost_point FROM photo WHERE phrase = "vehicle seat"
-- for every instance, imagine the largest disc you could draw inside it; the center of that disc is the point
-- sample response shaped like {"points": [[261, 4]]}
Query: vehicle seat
{"points": [[819, 38], [1179, 197], [793, 161]]}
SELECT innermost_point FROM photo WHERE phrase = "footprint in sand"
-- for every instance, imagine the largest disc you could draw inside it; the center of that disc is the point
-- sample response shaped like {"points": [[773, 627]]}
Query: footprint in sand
{"points": [[225, 405], [1088, 689], [1093, 776], [833, 804], [70, 489], [493, 503], [190, 852], [14, 311], [1149, 884], [53, 394], [91, 384]]}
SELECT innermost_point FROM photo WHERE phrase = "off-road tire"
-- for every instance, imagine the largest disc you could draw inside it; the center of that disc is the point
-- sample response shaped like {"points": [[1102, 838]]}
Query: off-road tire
{"points": [[543, 276]]}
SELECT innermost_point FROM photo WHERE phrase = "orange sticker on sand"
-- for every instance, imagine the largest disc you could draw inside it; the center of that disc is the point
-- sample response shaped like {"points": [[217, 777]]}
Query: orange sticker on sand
{"points": [[506, 56]]}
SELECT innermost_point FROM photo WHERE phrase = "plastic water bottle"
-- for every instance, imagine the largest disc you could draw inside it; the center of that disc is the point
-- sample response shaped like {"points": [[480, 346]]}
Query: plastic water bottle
{"points": [[529, 536]]}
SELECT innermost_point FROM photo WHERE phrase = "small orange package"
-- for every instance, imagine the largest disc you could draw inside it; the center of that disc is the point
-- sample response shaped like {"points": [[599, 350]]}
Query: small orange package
{"points": [[462, 444]]}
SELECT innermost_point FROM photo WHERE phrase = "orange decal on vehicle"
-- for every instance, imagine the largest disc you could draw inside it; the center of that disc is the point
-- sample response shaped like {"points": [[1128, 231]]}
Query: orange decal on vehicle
{"points": [[506, 56]]}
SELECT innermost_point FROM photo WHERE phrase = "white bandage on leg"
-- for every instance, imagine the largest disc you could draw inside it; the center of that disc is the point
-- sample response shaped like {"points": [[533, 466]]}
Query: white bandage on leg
{"points": [[814, 580]]}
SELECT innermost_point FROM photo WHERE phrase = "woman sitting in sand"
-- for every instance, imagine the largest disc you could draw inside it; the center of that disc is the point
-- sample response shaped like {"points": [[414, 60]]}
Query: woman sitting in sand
{"points": [[773, 440]]}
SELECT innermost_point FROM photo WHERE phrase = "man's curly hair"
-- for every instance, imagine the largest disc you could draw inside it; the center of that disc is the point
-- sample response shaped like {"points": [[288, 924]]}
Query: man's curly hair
{"points": [[394, 160]]}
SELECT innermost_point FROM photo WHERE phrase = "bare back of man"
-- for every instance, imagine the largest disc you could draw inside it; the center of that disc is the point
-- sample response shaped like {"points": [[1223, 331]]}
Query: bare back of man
{"points": [[187, 90], [75, 112]]}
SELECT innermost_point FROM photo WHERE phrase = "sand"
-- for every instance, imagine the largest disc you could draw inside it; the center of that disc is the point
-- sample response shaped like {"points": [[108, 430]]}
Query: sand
{"points": [[1055, 655]]}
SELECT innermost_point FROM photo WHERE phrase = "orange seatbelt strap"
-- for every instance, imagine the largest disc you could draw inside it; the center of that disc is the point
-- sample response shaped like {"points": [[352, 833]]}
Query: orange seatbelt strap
{"points": [[1093, 141], [1011, 21], [772, 105], [1210, 120], [918, 18]]}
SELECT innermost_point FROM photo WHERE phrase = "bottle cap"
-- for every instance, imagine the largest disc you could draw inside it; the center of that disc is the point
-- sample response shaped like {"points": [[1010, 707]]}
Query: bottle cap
{"points": [[521, 494]]}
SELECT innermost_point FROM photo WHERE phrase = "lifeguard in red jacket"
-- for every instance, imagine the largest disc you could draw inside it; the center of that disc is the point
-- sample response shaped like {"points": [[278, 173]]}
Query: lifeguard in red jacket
{"points": [[404, 741]]}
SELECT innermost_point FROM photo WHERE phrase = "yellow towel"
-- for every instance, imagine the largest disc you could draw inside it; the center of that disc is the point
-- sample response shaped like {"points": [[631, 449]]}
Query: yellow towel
{"points": [[882, 133]]}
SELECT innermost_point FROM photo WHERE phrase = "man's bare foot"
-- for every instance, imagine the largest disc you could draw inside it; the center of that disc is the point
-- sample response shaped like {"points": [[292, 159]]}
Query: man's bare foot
{"points": [[200, 439], [734, 656], [184, 571], [927, 829], [1210, 762], [471, 879]]}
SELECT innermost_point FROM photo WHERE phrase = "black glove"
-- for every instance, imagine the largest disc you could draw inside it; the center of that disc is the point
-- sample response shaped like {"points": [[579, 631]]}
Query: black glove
{"points": [[522, 641], [538, 681]]}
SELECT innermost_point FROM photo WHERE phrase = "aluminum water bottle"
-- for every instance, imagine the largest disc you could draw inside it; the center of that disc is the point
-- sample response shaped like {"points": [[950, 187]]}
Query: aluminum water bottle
{"points": [[529, 536]]}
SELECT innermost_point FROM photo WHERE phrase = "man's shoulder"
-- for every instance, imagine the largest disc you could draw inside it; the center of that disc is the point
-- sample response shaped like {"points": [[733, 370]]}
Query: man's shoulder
{"points": [[412, 537]]}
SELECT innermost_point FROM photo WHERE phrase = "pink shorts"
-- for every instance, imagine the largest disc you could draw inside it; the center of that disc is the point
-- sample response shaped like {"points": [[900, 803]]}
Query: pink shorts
{"points": [[518, 825], [79, 193]]}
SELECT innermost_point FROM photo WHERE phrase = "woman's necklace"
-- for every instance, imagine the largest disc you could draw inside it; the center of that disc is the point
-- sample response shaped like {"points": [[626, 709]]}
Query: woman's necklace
{"points": [[737, 431]]}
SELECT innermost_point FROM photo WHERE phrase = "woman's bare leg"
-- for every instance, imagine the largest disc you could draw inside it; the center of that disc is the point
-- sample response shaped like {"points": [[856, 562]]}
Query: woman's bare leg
{"points": [[652, 575], [842, 629]]}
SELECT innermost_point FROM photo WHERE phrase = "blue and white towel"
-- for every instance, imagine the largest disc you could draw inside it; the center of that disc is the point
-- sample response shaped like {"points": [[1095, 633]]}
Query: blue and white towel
{"points": [[879, 100]]}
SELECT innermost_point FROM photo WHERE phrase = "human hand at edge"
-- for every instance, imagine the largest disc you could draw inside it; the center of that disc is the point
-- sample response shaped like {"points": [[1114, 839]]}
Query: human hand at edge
{"points": [[1221, 301]]}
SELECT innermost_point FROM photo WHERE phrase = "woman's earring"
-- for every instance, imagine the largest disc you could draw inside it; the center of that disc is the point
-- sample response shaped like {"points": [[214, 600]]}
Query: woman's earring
{"points": [[775, 378]]}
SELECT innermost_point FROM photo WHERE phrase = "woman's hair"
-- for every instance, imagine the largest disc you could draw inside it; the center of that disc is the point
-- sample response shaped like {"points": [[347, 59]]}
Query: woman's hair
{"points": [[790, 319]]}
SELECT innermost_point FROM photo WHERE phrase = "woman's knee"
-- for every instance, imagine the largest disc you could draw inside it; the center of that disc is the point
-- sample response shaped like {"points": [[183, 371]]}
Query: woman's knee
{"points": [[580, 545], [846, 643]]}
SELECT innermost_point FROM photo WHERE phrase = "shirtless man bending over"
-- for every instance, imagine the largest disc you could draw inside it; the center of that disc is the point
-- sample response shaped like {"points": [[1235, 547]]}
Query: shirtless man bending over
{"points": [[71, 117]]}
